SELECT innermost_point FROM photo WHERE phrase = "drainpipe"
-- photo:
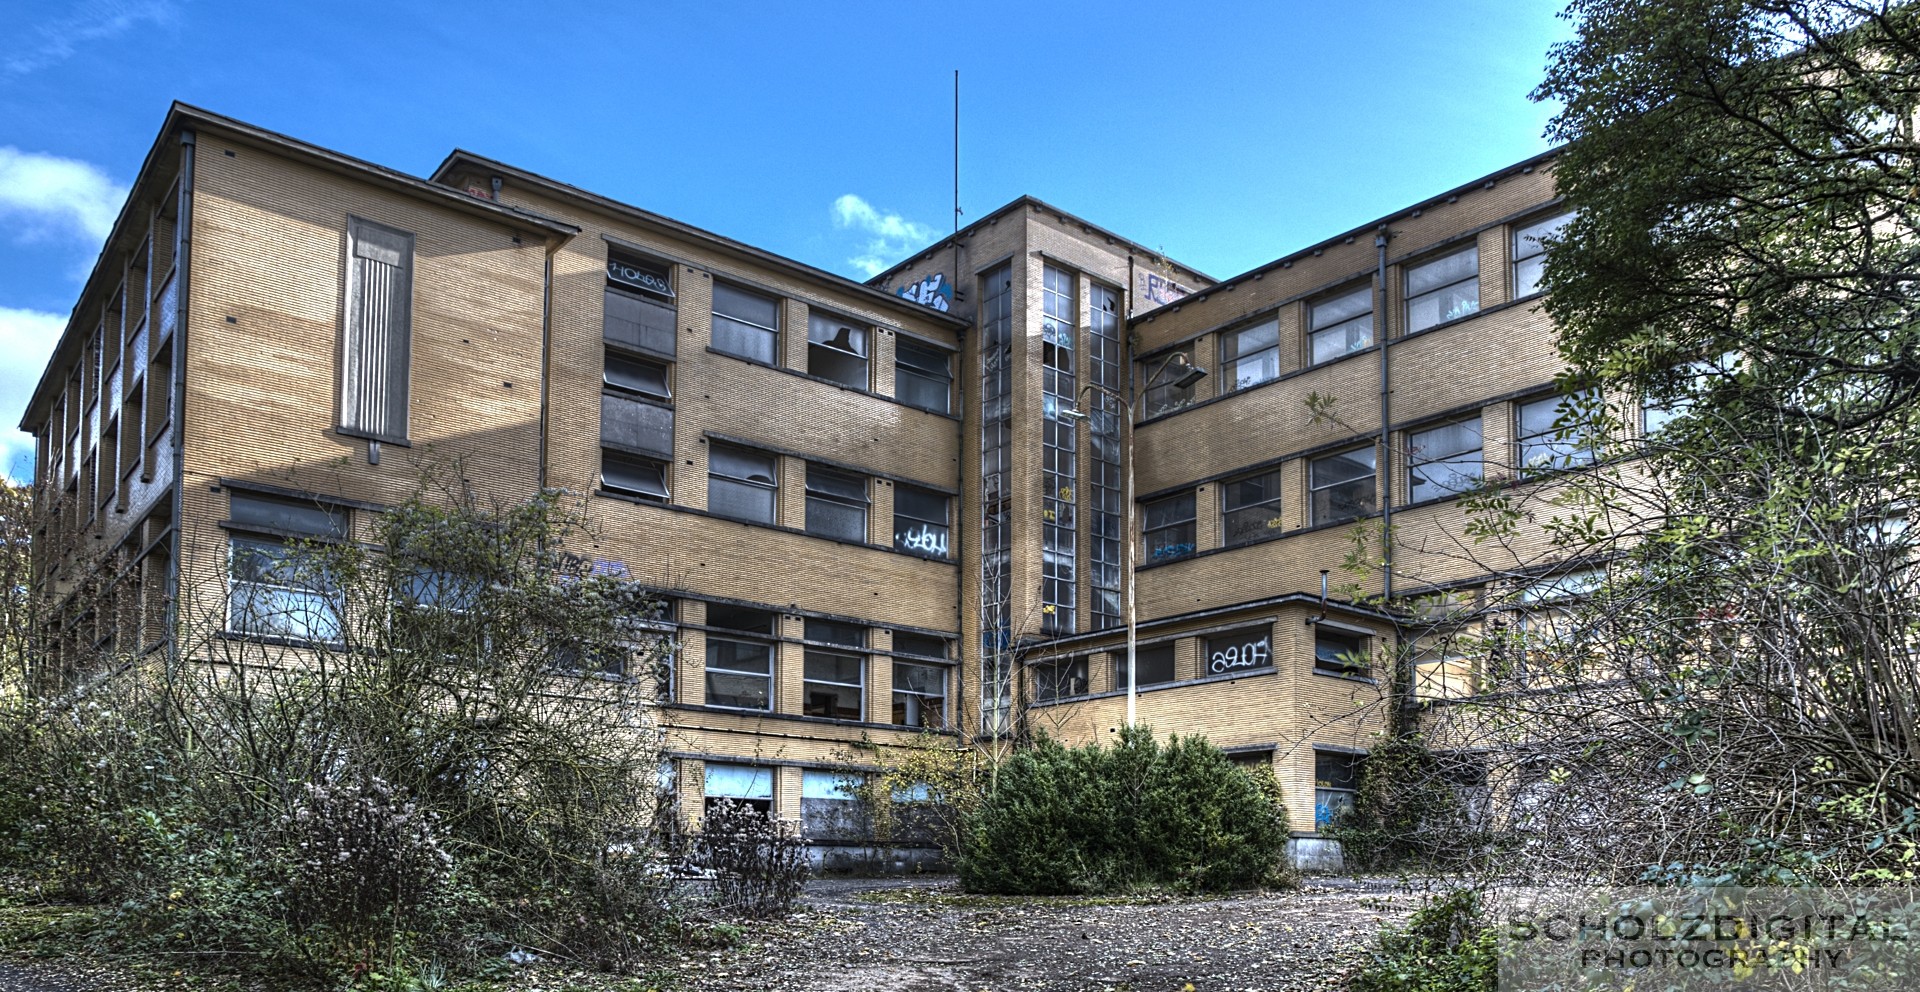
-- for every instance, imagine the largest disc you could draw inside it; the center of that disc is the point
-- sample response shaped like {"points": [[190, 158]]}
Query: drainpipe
{"points": [[546, 343], [182, 256], [1386, 420]]}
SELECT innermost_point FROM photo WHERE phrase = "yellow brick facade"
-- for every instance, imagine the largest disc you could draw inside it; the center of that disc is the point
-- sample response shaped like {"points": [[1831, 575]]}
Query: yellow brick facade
{"points": [[505, 394]]}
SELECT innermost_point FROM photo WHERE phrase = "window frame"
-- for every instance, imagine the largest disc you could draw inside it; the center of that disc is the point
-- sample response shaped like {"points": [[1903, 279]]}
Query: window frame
{"points": [[665, 495], [1331, 665], [1230, 378], [1189, 522], [1519, 258], [1346, 324], [766, 640], [1417, 461], [772, 488], [1276, 522], [901, 710], [611, 355], [1176, 398], [943, 526], [1051, 675], [942, 377], [1354, 774], [352, 313], [1140, 650], [1215, 666], [818, 475], [1554, 437], [1314, 489], [825, 643], [865, 331], [747, 326], [274, 527], [1411, 298]]}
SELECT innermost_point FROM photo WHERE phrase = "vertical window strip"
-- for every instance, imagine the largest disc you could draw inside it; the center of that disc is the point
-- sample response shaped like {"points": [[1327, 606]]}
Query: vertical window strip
{"points": [[1103, 368], [1059, 589], [996, 341]]}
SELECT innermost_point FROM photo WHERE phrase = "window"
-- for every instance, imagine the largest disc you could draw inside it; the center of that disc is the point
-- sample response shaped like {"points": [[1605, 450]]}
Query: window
{"points": [[740, 483], [638, 312], [1444, 289], [836, 504], [919, 695], [1530, 253], [1336, 781], [1169, 527], [1060, 461], [837, 349], [1551, 435], [1342, 486], [1341, 325], [1106, 528], [920, 521], [636, 476], [638, 376], [834, 681], [746, 324], [830, 810], [636, 425], [1055, 680], [1251, 508], [655, 645], [1240, 650], [1156, 665], [740, 669], [740, 784], [1163, 393], [377, 336], [924, 645], [922, 376], [1443, 460], [1251, 355], [279, 589], [1339, 652]]}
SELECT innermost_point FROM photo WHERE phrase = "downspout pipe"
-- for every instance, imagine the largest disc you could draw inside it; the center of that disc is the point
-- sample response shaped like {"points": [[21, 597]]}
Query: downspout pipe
{"points": [[1386, 419], [183, 292], [546, 346]]}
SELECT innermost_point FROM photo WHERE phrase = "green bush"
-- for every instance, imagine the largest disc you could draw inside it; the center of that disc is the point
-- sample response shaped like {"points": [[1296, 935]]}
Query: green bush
{"points": [[1445, 947], [1136, 815]]}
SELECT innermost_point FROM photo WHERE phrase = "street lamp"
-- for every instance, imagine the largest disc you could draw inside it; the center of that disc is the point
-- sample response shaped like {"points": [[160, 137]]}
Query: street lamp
{"points": [[1189, 375]]}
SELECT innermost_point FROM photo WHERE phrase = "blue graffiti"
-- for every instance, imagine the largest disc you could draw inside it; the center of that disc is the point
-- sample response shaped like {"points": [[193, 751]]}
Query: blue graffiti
{"points": [[933, 291]]}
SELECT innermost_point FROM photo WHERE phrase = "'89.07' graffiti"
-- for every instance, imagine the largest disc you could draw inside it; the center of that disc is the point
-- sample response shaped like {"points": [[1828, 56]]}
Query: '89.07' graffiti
{"points": [[1234, 657]]}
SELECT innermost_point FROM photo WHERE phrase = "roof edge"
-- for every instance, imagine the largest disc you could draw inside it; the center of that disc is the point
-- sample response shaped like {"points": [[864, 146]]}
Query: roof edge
{"points": [[682, 229]]}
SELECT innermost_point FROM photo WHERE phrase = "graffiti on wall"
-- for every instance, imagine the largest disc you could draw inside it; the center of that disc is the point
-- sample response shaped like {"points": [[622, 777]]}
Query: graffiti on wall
{"points": [[1257, 653], [1161, 290], [933, 291]]}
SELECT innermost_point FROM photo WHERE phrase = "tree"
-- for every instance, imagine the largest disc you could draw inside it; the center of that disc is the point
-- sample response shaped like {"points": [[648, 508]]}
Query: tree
{"points": [[1739, 699]]}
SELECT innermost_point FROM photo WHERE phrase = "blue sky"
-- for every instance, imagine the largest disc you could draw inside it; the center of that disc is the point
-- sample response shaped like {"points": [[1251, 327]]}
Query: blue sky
{"points": [[1224, 135]]}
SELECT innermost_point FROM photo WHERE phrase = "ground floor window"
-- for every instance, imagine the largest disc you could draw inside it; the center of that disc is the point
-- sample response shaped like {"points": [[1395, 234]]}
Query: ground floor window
{"points": [[740, 783], [1054, 680], [830, 809], [1336, 781], [919, 695]]}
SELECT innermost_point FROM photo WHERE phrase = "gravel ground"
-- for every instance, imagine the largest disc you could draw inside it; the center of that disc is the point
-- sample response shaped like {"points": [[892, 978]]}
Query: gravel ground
{"points": [[924, 935], [920, 935]]}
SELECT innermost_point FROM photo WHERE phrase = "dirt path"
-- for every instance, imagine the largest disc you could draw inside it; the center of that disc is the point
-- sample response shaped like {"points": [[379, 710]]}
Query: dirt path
{"points": [[926, 936]]}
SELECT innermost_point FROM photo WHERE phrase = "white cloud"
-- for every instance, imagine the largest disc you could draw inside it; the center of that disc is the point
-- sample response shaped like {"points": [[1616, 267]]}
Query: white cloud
{"points": [[52, 194], [27, 338], [892, 235], [55, 41]]}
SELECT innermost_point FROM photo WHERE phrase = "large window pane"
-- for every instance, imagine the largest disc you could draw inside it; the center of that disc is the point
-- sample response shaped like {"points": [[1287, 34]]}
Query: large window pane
{"points": [[919, 695], [1443, 289], [1530, 253], [920, 523], [1552, 436], [1444, 460], [1169, 527], [1342, 486], [740, 484], [836, 504], [1341, 325], [922, 376], [833, 685], [1251, 508], [1251, 355], [837, 349], [745, 324]]}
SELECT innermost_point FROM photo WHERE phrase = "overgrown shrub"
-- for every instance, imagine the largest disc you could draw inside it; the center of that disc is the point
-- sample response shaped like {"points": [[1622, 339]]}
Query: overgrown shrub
{"points": [[1415, 809], [1446, 946], [1135, 815], [758, 862], [464, 767]]}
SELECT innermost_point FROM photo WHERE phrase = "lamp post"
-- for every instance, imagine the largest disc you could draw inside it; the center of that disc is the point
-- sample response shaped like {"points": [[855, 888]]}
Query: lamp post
{"points": [[1191, 375]]}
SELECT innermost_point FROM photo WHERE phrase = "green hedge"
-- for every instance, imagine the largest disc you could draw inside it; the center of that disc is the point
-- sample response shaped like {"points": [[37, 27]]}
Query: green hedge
{"points": [[1136, 815]]}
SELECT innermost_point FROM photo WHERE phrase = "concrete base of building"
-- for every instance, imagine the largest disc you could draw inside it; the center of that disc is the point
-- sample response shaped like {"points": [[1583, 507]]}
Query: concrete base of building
{"points": [[1316, 854], [852, 859]]}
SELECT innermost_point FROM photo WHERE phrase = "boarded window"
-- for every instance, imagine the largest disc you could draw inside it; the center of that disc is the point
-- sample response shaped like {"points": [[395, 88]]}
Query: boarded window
{"points": [[632, 425], [376, 340]]}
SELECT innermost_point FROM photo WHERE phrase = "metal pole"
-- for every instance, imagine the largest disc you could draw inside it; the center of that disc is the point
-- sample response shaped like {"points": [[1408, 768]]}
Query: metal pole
{"points": [[1133, 565]]}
